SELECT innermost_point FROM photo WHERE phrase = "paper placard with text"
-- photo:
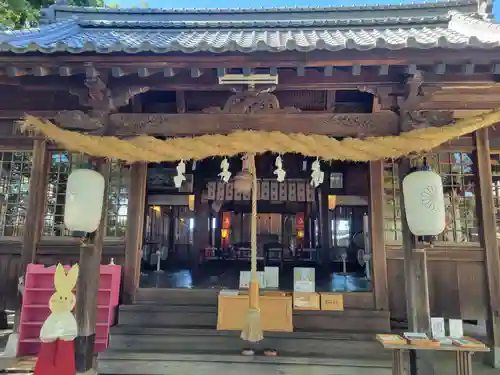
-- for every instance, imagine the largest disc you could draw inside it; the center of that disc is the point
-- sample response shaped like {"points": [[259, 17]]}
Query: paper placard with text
{"points": [[456, 328], [438, 328], [304, 279]]}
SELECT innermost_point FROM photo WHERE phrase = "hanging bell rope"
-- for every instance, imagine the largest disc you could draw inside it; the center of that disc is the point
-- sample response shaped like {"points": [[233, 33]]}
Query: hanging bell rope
{"points": [[252, 331]]}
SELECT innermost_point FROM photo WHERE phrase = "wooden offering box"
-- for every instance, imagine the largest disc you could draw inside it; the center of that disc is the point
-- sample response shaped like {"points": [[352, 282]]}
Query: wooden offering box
{"points": [[39, 287], [275, 311], [306, 301]]}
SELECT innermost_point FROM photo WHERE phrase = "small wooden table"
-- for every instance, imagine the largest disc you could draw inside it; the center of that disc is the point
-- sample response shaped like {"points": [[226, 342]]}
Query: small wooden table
{"points": [[463, 356]]}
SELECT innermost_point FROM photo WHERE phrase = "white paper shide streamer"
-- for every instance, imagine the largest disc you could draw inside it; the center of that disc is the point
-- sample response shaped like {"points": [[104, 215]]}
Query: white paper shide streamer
{"points": [[181, 171], [317, 175], [225, 173], [279, 171]]}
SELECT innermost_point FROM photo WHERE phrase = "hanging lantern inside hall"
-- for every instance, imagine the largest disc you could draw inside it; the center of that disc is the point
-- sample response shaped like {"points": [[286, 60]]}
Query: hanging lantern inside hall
{"points": [[84, 200], [424, 203], [243, 179]]}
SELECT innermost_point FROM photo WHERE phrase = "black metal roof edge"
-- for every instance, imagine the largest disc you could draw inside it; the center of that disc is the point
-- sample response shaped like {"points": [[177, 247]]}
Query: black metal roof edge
{"points": [[145, 11], [374, 23]]}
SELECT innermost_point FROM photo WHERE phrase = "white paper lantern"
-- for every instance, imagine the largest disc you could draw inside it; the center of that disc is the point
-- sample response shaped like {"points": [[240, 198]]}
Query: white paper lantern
{"points": [[424, 203], [84, 200]]}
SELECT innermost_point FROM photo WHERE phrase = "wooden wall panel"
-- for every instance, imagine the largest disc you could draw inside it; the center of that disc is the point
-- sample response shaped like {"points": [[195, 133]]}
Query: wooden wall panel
{"points": [[397, 293], [443, 288], [50, 252], [358, 300], [457, 286], [472, 289]]}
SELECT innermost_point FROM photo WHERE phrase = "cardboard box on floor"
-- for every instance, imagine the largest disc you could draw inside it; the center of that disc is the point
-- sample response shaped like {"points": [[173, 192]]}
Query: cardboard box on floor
{"points": [[332, 301], [306, 301]]}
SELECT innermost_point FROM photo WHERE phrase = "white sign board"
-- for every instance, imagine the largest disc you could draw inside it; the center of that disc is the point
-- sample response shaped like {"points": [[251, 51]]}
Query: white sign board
{"points": [[304, 279], [272, 275], [245, 277], [456, 328], [438, 328]]}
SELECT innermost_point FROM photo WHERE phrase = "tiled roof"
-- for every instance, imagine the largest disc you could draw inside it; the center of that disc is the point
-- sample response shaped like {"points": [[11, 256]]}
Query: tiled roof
{"points": [[427, 25]]}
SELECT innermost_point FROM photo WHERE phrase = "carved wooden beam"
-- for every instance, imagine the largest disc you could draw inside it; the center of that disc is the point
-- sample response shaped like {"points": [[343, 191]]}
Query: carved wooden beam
{"points": [[174, 125]]}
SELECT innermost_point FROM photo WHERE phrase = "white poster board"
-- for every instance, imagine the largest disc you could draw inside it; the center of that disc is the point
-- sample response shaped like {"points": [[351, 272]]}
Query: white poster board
{"points": [[272, 275], [304, 279], [438, 328], [245, 277], [456, 328]]}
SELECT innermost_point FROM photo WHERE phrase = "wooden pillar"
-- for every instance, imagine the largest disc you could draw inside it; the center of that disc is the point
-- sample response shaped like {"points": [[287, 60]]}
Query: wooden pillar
{"points": [[37, 197], [199, 229], [307, 225], [415, 260], [87, 286], [416, 283], [415, 268], [202, 209], [377, 240], [135, 227], [488, 240], [324, 224], [33, 225]]}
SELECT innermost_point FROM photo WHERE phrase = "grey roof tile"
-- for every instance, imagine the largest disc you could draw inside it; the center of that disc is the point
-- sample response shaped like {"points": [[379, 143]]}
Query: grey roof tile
{"points": [[141, 34]]}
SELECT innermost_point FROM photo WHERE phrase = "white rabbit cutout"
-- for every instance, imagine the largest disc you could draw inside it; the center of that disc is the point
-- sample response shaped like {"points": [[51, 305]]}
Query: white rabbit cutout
{"points": [[61, 323]]}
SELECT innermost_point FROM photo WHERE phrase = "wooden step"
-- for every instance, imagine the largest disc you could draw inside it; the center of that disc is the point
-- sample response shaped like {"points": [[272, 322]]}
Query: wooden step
{"points": [[168, 315], [351, 320], [129, 363], [165, 296], [210, 341]]}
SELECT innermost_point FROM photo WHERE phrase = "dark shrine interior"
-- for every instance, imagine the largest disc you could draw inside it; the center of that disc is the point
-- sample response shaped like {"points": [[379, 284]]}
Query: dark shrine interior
{"points": [[175, 253]]}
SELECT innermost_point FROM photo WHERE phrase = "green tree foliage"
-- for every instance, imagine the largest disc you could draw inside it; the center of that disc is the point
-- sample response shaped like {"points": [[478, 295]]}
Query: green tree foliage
{"points": [[19, 14]]}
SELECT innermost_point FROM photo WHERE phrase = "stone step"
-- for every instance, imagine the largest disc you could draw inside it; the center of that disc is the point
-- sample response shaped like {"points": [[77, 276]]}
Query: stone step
{"points": [[204, 341], [155, 363], [154, 315]]}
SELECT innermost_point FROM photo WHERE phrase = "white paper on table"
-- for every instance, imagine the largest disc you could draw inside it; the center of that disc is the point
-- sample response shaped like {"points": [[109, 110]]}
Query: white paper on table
{"points": [[438, 328], [456, 328], [271, 276], [304, 279]]}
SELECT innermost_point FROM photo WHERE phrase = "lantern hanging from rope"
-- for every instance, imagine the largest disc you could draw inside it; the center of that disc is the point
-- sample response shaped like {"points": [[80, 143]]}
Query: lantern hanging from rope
{"points": [[84, 200], [424, 202]]}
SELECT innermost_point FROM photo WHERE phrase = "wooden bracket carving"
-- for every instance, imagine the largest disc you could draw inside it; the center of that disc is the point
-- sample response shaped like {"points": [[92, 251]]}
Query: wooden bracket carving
{"points": [[102, 101], [411, 117], [251, 102], [100, 98]]}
